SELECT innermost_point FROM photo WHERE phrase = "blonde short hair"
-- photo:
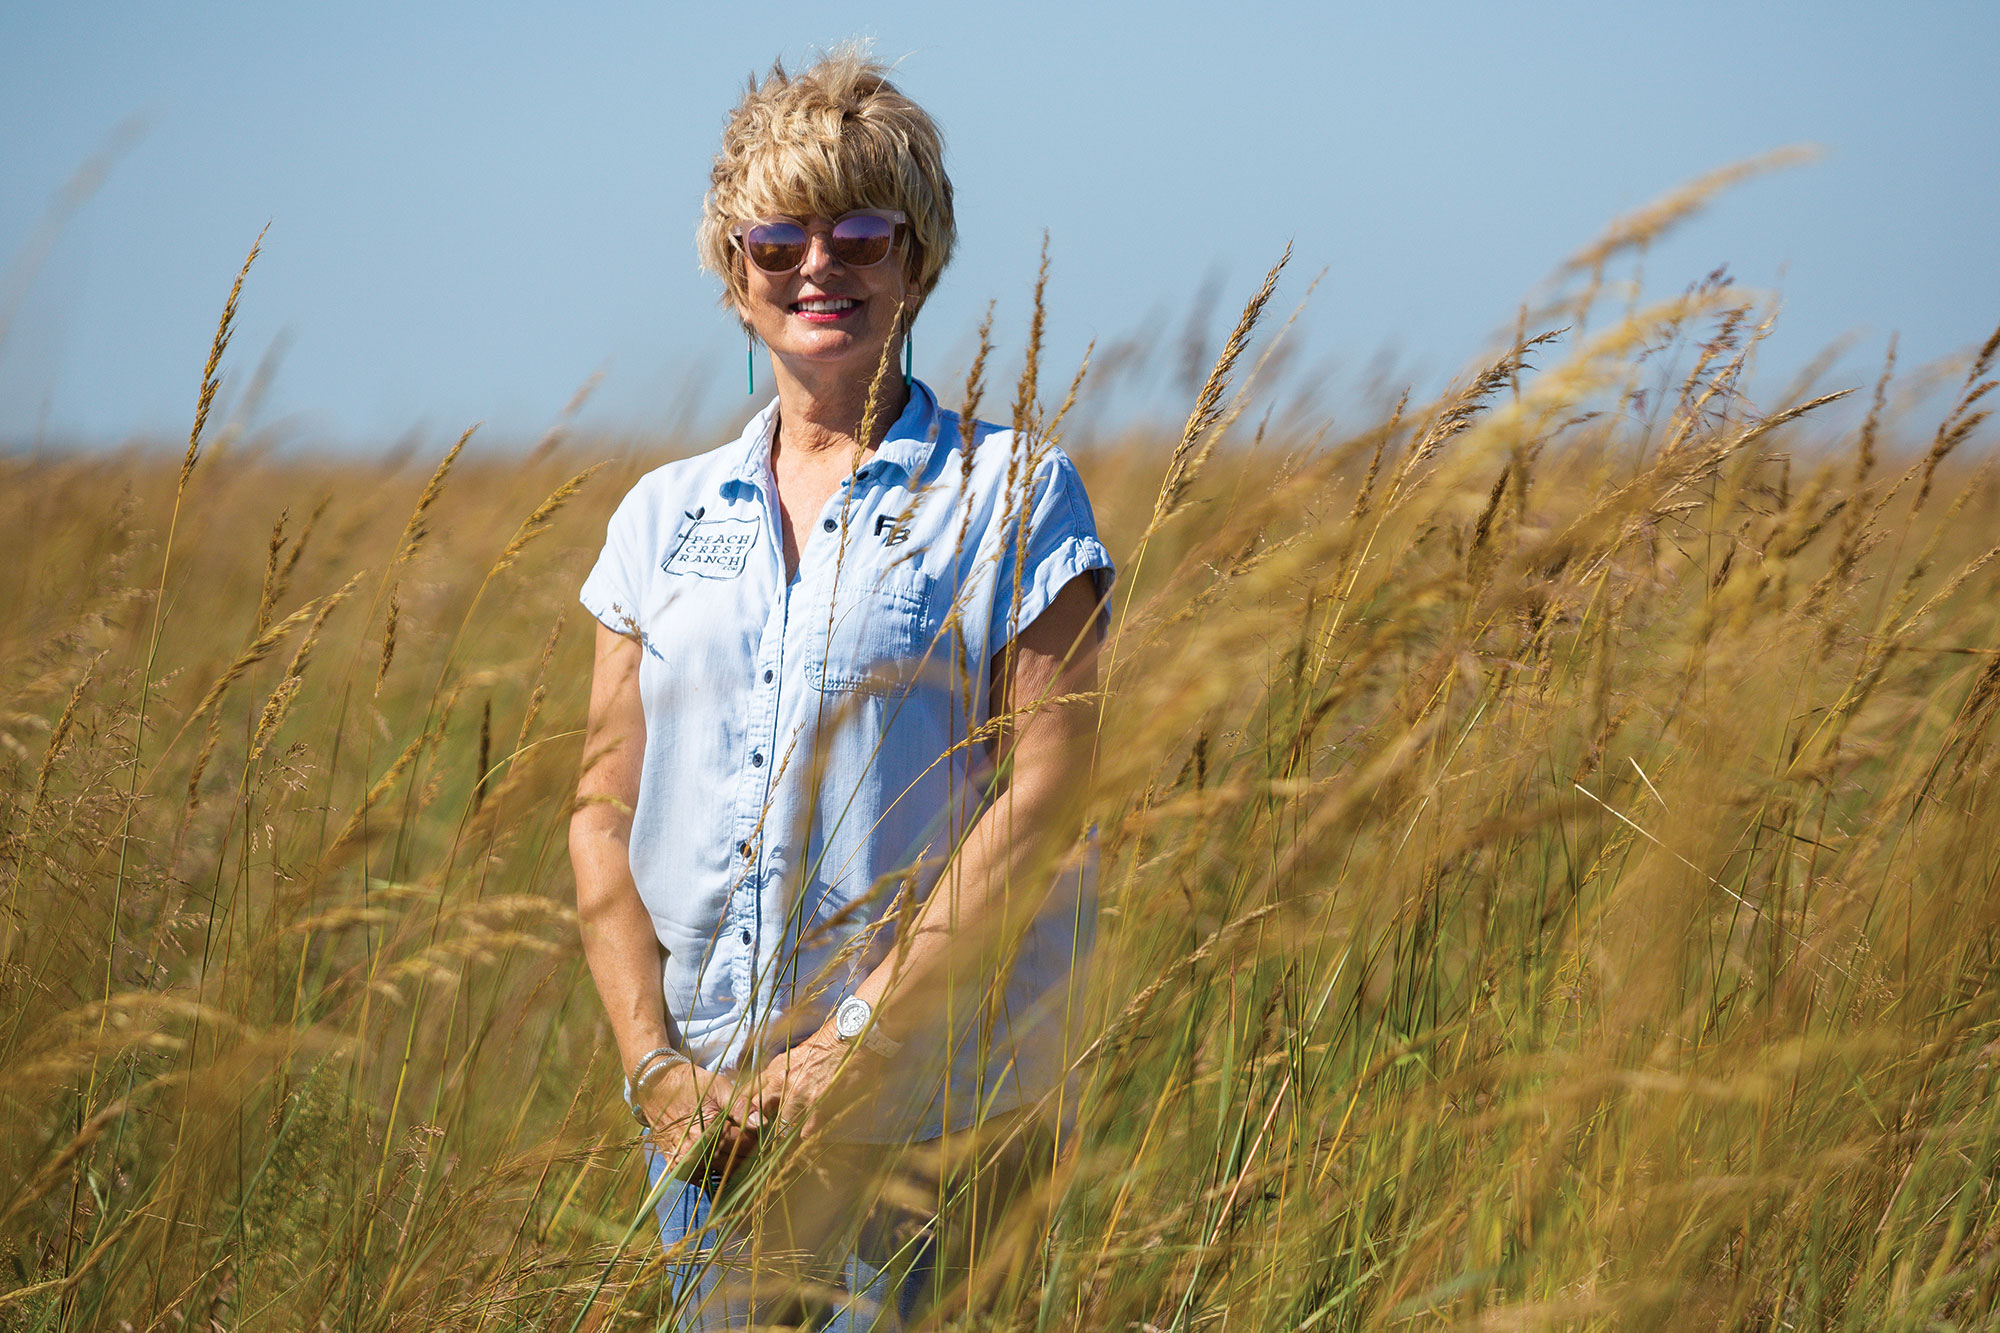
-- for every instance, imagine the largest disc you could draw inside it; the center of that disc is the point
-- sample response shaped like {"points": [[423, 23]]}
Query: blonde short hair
{"points": [[836, 137]]}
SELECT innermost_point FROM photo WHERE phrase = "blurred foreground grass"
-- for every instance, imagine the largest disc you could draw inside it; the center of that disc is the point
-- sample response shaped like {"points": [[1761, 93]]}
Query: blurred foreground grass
{"points": [[1550, 855]]}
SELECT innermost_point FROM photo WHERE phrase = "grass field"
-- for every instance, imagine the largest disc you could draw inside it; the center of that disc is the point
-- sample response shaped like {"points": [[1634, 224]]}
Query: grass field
{"points": [[1549, 870]]}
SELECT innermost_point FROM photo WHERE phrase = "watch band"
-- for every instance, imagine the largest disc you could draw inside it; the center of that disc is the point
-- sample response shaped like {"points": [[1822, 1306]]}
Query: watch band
{"points": [[876, 1040]]}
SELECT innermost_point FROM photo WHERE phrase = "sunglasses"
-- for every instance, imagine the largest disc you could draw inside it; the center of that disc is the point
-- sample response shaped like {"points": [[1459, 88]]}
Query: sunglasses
{"points": [[860, 239]]}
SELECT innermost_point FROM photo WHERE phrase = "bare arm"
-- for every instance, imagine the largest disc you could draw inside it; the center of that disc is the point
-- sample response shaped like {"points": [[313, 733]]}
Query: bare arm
{"points": [[618, 938], [1000, 876]]}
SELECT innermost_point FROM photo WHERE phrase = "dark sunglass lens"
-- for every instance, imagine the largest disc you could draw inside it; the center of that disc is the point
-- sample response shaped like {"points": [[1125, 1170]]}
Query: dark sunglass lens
{"points": [[776, 247], [861, 241]]}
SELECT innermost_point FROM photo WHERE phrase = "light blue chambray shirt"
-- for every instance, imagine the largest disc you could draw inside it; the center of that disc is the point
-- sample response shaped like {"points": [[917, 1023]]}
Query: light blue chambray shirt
{"points": [[804, 738]]}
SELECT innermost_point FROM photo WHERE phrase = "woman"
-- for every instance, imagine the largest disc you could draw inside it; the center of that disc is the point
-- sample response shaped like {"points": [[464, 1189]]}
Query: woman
{"points": [[833, 737]]}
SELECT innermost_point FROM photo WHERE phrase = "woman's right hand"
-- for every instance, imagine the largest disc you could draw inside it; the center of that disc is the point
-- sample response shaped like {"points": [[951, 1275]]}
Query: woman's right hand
{"points": [[683, 1104]]}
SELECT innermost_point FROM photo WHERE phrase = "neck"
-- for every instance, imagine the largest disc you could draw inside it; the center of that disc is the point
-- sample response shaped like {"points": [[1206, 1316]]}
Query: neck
{"points": [[817, 415]]}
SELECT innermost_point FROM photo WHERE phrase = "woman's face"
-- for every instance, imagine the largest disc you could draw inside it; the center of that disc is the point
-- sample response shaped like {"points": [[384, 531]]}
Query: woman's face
{"points": [[825, 316]]}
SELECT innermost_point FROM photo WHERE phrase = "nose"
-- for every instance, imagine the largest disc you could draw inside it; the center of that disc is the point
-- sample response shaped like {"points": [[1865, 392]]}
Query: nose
{"points": [[819, 260]]}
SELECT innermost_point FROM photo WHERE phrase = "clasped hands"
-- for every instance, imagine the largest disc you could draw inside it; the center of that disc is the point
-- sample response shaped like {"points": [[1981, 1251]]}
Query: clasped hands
{"points": [[789, 1094]]}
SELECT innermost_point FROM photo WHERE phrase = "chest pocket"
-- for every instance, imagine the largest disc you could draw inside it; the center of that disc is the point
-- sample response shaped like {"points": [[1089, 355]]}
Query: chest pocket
{"points": [[876, 639]]}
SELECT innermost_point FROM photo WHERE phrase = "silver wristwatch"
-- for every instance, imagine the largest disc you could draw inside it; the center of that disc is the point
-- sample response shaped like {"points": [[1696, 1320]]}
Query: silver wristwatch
{"points": [[855, 1020]]}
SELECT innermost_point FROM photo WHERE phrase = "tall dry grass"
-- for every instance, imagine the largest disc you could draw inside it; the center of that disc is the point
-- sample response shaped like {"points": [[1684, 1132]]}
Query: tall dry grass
{"points": [[1549, 859]]}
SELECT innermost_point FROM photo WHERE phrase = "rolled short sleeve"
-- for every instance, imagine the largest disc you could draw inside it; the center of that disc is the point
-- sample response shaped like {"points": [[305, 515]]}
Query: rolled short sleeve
{"points": [[613, 591], [1060, 542]]}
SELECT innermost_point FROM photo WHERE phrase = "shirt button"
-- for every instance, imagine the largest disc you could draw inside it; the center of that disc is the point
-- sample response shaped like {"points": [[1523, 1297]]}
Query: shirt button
{"points": [[767, 677], [756, 761], [744, 847], [746, 937], [829, 525]]}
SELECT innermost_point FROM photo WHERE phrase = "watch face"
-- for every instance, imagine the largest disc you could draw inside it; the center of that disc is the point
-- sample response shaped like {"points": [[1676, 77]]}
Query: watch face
{"points": [[851, 1017]]}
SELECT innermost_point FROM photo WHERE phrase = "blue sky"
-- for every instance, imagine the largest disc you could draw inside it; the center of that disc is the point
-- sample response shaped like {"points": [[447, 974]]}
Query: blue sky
{"points": [[474, 208]]}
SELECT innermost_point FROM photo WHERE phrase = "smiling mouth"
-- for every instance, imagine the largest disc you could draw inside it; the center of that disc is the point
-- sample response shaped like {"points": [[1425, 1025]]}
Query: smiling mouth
{"points": [[825, 305]]}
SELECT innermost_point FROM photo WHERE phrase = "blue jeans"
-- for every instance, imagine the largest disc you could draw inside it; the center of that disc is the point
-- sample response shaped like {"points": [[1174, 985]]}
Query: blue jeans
{"points": [[872, 1277], [833, 1250]]}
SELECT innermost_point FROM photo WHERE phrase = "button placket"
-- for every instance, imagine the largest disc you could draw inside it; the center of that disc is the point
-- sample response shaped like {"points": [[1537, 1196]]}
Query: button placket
{"points": [[746, 911], [845, 501]]}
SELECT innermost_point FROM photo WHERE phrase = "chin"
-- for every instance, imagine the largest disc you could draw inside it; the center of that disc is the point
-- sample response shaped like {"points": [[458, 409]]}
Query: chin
{"points": [[843, 348]]}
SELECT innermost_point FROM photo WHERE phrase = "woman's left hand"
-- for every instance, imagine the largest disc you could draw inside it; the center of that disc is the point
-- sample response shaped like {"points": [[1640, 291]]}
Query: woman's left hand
{"points": [[792, 1091]]}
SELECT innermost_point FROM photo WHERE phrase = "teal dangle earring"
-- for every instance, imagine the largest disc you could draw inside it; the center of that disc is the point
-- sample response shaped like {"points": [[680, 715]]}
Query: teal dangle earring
{"points": [[909, 352], [750, 361]]}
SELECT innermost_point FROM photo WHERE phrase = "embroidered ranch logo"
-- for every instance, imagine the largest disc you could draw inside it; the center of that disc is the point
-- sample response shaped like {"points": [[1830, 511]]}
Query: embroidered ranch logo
{"points": [[716, 549]]}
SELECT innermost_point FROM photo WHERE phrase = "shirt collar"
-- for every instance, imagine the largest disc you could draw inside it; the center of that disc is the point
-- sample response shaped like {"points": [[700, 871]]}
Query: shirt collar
{"points": [[912, 439], [753, 450], [908, 445]]}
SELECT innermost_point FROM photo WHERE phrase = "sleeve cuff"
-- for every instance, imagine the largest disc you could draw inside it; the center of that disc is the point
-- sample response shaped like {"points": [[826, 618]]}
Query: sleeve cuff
{"points": [[1076, 555], [607, 606]]}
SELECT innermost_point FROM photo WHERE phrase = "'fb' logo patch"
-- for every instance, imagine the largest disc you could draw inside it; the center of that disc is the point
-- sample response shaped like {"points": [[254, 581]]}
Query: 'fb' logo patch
{"points": [[717, 549], [891, 533]]}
